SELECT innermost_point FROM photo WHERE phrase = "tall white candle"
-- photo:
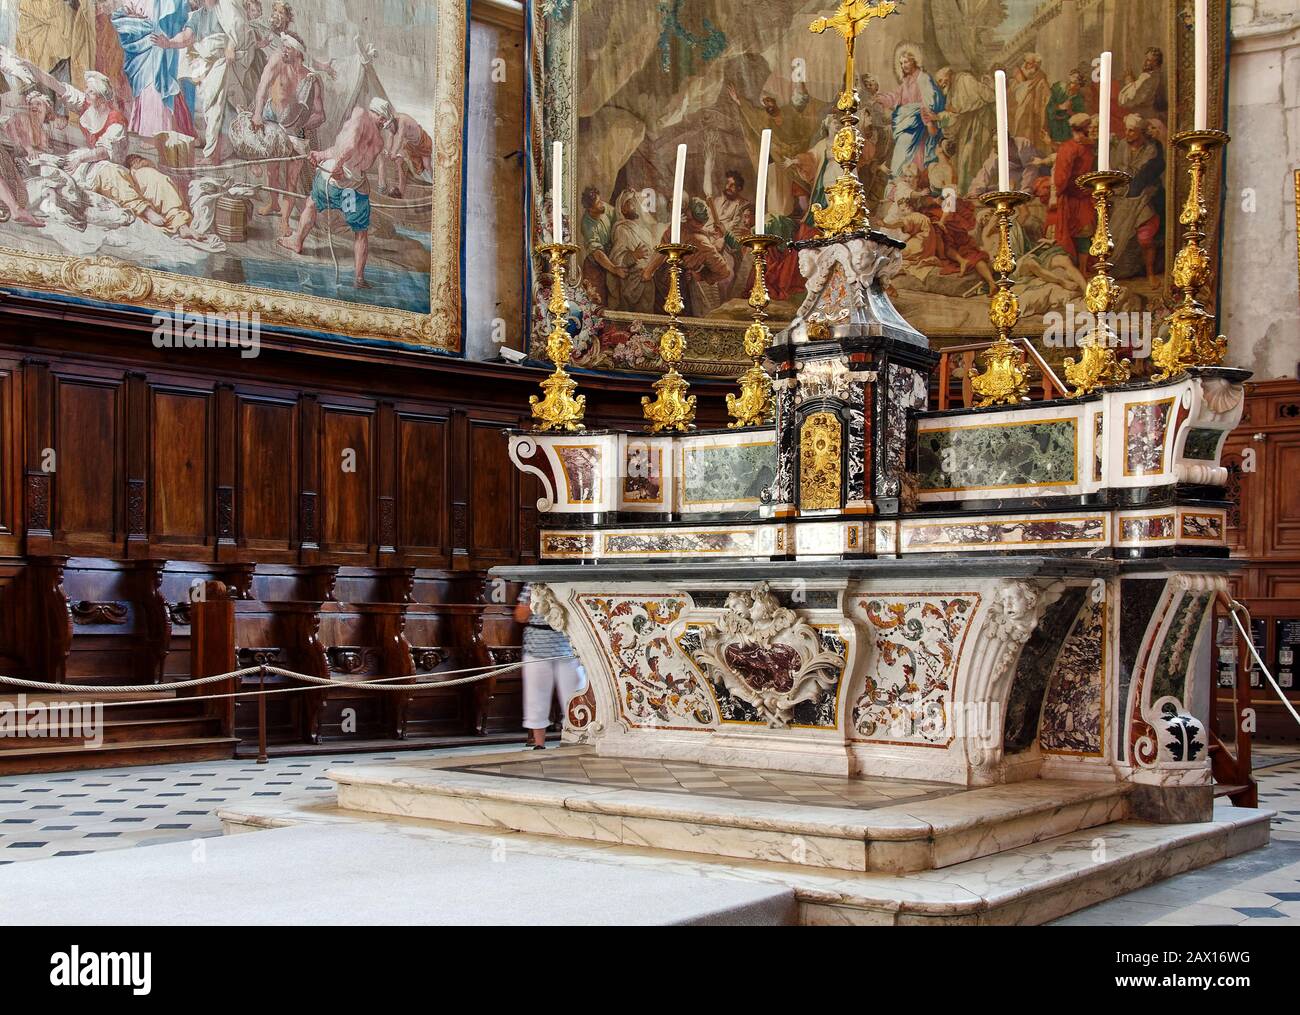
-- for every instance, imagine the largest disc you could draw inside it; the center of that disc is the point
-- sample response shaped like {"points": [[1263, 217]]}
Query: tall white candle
{"points": [[1202, 119], [764, 155], [557, 190], [1004, 153], [679, 185], [1103, 125]]}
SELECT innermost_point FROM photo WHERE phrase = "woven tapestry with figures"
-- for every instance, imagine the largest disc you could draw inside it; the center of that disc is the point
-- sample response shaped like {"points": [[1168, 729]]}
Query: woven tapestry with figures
{"points": [[626, 81]]}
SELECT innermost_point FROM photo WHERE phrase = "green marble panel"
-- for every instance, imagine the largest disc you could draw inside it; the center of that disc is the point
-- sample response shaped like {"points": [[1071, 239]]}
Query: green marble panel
{"points": [[1040, 453], [1202, 445], [727, 474]]}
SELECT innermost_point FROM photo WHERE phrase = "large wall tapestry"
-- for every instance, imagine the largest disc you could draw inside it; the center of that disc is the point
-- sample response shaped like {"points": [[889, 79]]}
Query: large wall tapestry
{"points": [[298, 159], [626, 81]]}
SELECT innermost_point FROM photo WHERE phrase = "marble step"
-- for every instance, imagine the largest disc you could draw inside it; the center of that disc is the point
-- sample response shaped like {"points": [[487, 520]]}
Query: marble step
{"points": [[915, 835], [1025, 885], [359, 875]]}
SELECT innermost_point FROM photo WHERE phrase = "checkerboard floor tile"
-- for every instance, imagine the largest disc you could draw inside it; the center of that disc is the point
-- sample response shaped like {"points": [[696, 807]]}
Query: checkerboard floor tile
{"points": [[70, 813], [720, 781]]}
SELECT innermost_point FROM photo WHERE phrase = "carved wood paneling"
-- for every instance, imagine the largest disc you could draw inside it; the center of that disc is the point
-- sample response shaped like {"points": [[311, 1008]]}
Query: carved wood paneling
{"points": [[347, 481], [181, 467], [89, 445], [266, 469]]}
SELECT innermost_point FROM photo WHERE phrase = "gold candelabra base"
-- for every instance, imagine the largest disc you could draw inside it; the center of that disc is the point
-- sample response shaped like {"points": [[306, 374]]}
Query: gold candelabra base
{"points": [[672, 410], [753, 407], [1005, 377], [1191, 341], [558, 409], [1098, 366]]}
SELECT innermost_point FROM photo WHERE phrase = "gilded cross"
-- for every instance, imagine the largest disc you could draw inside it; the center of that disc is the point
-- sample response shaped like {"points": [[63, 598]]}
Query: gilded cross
{"points": [[850, 21]]}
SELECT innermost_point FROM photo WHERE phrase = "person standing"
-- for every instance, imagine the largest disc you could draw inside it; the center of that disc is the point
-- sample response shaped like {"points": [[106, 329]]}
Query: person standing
{"points": [[1072, 211], [545, 676]]}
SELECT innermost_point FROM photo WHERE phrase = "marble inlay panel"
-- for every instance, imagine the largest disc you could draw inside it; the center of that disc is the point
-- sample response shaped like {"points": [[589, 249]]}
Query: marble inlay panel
{"points": [[1146, 424], [568, 544], [819, 712], [1151, 527], [643, 474], [911, 674], [656, 684], [906, 389], [1098, 446], [1074, 712], [1196, 525], [580, 464], [1202, 444], [1034, 668], [1139, 598], [1040, 453], [727, 474], [1042, 530], [732, 542], [1170, 674]]}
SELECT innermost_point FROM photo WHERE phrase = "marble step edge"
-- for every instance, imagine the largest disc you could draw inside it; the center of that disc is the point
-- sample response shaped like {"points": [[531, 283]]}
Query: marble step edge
{"points": [[1058, 875], [908, 821]]}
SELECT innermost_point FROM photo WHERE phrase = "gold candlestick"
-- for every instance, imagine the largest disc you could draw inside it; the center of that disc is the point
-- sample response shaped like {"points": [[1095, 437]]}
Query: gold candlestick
{"points": [[754, 406], [1005, 379], [559, 410], [672, 409], [1191, 341], [1099, 367], [846, 199]]}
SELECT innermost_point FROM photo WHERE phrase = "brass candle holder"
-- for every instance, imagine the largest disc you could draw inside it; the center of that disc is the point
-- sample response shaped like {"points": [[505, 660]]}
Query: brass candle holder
{"points": [[754, 406], [1191, 341], [1099, 367], [672, 408], [1005, 378], [559, 410]]}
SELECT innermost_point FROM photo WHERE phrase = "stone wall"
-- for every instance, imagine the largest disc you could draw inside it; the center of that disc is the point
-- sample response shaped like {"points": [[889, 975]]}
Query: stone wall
{"points": [[1261, 292]]}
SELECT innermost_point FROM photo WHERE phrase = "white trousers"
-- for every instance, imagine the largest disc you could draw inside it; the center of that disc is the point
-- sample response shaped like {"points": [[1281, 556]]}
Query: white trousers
{"points": [[543, 681]]}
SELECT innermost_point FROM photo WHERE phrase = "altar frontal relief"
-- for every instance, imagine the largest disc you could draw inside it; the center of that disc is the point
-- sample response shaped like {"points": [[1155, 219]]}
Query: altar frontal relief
{"points": [[294, 159], [628, 80]]}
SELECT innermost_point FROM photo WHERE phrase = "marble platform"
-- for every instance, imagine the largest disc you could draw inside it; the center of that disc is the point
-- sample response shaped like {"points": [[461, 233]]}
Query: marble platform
{"points": [[853, 851], [861, 824], [1025, 885]]}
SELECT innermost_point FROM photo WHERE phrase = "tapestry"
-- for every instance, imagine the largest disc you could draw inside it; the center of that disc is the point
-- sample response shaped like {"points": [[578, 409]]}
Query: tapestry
{"points": [[623, 82], [295, 160]]}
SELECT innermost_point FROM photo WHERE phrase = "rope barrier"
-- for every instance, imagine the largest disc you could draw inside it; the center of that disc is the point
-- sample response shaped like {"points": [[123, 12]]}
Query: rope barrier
{"points": [[1234, 608], [373, 684]]}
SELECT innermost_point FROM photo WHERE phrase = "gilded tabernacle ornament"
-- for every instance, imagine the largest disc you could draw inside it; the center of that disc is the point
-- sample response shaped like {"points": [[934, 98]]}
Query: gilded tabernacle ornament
{"points": [[1099, 367], [559, 410], [821, 446], [845, 210], [1005, 378], [754, 405], [1191, 341], [672, 409]]}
